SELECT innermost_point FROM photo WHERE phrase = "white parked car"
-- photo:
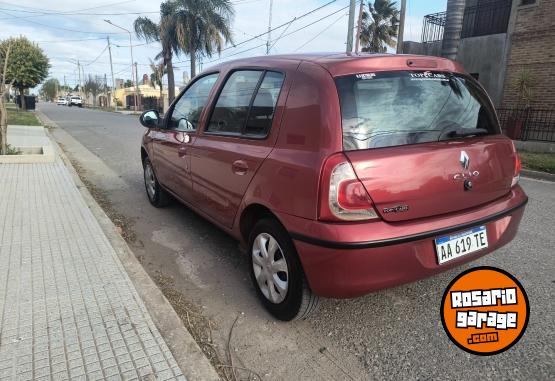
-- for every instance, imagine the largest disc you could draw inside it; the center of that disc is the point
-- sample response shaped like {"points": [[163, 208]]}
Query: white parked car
{"points": [[75, 101], [61, 101]]}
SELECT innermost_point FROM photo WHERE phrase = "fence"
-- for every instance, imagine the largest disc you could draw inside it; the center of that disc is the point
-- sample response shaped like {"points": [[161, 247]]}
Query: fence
{"points": [[528, 124], [486, 18]]}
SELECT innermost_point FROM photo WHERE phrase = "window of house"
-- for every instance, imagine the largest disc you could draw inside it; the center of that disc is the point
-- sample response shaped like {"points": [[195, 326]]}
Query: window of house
{"points": [[527, 2], [246, 104]]}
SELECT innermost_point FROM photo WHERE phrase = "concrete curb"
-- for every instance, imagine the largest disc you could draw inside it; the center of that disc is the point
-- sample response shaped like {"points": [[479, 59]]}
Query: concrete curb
{"points": [[537, 175], [187, 353]]}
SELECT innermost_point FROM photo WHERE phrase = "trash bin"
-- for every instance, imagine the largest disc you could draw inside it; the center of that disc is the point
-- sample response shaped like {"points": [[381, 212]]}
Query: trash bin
{"points": [[30, 102]]}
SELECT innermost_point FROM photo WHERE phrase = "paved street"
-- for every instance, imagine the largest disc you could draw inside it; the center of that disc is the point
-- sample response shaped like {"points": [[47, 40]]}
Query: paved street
{"points": [[393, 334], [68, 309]]}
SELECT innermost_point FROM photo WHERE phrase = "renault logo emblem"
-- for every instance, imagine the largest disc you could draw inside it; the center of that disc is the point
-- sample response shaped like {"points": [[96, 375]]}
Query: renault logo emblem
{"points": [[465, 160]]}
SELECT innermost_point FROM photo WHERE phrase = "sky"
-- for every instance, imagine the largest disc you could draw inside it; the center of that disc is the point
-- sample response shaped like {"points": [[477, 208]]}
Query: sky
{"points": [[71, 31]]}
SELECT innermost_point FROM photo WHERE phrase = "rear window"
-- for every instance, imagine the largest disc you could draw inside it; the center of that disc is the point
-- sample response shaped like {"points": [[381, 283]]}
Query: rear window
{"points": [[387, 109]]}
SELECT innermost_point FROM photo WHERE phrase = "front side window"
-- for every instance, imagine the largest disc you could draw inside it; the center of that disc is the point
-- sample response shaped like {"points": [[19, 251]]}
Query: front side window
{"points": [[188, 109], [407, 107], [246, 105]]}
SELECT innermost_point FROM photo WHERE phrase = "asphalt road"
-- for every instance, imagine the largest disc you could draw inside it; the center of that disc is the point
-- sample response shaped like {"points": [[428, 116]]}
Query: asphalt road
{"points": [[391, 334]]}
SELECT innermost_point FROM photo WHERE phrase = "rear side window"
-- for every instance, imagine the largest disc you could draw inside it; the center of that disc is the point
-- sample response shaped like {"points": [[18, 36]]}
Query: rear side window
{"points": [[246, 104], [407, 107], [264, 105]]}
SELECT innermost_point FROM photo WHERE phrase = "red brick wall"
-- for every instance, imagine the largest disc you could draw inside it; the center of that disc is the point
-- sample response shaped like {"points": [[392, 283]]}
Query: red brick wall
{"points": [[533, 48]]}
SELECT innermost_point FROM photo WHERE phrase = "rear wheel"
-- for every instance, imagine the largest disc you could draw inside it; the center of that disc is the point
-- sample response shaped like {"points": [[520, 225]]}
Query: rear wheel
{"points": [[157, 196], [277, 273]]}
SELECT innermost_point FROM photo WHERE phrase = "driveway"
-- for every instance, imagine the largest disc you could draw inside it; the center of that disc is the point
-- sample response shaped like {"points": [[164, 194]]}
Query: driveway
{"points": [[391, 334]]}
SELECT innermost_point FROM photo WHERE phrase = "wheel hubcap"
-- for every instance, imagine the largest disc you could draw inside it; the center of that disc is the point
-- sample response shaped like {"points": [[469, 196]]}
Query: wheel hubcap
{"points": [[270, 268], [150, 181]]}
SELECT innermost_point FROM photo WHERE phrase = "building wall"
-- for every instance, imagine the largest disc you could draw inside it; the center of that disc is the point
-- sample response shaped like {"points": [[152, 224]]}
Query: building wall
{"points": [[532, 48], [482, 55]]}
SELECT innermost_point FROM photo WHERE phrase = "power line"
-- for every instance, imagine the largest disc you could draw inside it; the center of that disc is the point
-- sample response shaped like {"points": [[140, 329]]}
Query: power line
{"points": [[45, 12], [67, 29], [285, 35], [76, 40], [320, 33], [96, 59], [280, 26], [38, 12], [269, 31]]}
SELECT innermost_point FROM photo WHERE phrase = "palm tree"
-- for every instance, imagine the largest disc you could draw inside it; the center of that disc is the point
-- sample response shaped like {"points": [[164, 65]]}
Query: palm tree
{"points": [[453, 28], [164, 33], [380, 25], [202, 27], [158, 72]]}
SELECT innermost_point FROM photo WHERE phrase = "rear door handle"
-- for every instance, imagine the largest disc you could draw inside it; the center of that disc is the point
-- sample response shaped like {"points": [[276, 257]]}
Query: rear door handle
{"points": [[240, 167]]}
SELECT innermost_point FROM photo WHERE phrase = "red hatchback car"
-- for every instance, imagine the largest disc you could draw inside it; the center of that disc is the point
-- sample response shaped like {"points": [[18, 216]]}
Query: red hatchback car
{"points": [[341, 174]]}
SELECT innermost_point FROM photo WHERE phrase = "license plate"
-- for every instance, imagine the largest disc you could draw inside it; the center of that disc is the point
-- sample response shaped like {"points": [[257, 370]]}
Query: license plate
{"points": [[457, 245]]}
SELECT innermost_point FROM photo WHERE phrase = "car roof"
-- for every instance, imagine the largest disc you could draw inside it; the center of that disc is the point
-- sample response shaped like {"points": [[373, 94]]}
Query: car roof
{"points": [[349, 63]]}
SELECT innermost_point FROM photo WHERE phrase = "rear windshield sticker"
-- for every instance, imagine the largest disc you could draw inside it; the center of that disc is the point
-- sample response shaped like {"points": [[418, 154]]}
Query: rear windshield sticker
{"points": [[366, 76], [428, 76]]}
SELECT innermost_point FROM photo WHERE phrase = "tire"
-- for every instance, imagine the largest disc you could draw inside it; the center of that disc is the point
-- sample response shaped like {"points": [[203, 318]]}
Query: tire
{"points": [[288, 297], [157, 196]]}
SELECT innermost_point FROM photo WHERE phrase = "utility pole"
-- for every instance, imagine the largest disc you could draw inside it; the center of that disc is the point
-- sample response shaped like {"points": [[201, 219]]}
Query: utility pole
{"points": [[359, 26], [137, 95], [113, 93], [269, 42], [351, 26], [401, 27], [132, 63], [79, 70], [65, 84]]}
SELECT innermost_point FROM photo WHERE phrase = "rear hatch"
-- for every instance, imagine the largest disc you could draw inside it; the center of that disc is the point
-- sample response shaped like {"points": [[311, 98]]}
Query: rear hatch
{"points": [[423, 143]]}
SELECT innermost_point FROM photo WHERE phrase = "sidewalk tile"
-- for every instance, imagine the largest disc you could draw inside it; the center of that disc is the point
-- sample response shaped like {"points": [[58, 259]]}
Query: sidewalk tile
{"points": [[67, 302]]}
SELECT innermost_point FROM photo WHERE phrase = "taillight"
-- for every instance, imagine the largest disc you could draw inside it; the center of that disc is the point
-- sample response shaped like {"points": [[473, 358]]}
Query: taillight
{"points": [[518, 167], [342, 195]]}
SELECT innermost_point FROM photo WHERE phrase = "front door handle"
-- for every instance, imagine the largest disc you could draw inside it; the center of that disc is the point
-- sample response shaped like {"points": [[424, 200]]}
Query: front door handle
{"points": [[240, 167], [182, 151]]}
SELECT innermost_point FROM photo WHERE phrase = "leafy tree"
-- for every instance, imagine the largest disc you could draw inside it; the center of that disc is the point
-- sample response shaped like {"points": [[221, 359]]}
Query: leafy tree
{"points": [[164, 33], [380, 24], [93, 86], [201, 26], [128, 83], [158, 72], [50, 89], [27, 65], [452, 29]]}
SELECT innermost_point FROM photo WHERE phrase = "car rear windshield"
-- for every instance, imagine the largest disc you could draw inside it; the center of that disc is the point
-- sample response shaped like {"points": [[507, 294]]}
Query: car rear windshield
{"points": [[385, 109]]}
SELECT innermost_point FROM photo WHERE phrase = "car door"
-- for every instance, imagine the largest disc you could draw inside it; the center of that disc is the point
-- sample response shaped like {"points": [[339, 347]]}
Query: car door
{"points": [[172, 142], [235, 141]]}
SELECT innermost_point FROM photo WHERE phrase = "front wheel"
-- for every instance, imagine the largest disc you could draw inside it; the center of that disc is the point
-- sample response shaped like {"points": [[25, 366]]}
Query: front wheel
{"points": [[277, 273], [157, 196]]}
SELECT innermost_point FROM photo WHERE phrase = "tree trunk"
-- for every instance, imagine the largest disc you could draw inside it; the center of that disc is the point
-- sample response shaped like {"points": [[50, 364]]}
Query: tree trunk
{"points": [[22, 99], [452, 29], [171, 80], [161, 98], [193, 64], [3, 125]]}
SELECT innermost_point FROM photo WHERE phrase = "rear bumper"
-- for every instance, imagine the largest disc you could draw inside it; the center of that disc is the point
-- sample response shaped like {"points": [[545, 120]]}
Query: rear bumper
{"points": [[343, 265]]}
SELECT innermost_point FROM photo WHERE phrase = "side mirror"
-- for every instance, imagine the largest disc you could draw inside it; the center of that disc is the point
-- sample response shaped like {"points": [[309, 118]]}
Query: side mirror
{"points": [[150, 119]]}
